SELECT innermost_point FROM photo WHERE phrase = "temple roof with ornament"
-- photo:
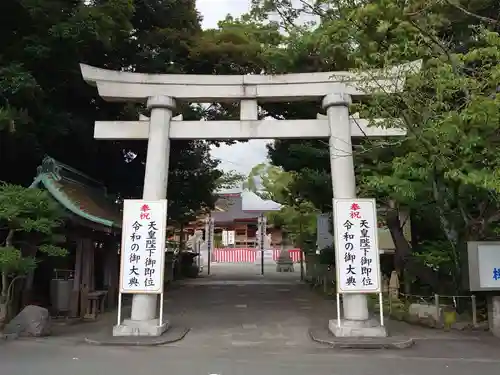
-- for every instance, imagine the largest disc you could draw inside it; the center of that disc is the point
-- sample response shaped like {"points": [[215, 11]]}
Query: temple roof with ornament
{"points": [[234, 206], [79, 194]]}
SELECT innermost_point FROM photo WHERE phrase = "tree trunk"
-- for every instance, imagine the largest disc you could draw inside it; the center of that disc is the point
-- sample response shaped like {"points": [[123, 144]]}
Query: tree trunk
{"points": [[4, 296], [403, 257], [5, 279], [25, 293]]}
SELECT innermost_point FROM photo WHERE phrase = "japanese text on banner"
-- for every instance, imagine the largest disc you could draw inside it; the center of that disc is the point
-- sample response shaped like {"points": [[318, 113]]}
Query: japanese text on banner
{"points": [[356, 246], [143, 246]]}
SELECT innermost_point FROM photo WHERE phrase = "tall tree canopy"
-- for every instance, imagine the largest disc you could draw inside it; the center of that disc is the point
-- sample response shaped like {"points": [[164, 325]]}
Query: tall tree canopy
{"points": [[47, 108], [445, 168]]}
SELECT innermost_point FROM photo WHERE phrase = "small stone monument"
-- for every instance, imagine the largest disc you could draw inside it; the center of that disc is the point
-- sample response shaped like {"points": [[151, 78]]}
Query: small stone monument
{"points": [[284, 263], [385, 283], [194, 241], [394, 286]]}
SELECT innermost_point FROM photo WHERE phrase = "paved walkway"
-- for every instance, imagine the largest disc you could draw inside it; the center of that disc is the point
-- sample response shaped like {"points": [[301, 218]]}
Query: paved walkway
{"points": [[242, 324], [237, 307]]}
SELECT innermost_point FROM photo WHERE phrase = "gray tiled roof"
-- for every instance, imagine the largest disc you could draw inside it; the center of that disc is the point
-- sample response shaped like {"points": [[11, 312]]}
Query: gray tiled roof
{"points": [[232, 206]]}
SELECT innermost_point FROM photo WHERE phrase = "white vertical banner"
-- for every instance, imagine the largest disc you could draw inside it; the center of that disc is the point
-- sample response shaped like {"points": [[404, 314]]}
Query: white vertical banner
{"points": [[205, 232], [224, 237], [228, 237], [143, 246], [356, 246], [262, 229], [209, 233], [231, 237]]}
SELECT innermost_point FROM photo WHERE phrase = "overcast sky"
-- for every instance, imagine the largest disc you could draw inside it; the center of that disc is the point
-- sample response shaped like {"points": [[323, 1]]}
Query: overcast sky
{"points": [[241, 156]]}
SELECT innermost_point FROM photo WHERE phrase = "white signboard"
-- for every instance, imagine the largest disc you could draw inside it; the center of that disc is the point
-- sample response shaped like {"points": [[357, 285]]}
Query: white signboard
{"points": [[356, 246], [488, 257], [209, 233], [228, 237], [143, 246], [231, 237], [224, 237], [261, 232]]}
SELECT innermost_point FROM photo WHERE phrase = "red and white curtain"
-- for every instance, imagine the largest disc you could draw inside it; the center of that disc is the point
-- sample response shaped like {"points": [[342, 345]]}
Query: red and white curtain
{"points": [[247, 255]]}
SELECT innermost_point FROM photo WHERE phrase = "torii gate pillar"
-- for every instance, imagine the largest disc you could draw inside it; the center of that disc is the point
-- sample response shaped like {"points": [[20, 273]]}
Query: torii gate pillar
{"points": [[356, 320], [143, 320]]}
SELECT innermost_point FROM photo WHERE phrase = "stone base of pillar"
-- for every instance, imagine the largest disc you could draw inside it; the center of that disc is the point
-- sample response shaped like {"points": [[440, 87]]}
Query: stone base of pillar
{"points": [[140, 328], [494, 315], [357, 328]]}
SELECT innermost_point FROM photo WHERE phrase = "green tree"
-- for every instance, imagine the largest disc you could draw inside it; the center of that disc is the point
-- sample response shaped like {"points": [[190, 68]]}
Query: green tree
{"points": [[47, 108], [193, 183], [451, 111], [269, 182], [296, 217], [27, 215], [239, 46], [230, 179], [298, 224], [445, 168]]}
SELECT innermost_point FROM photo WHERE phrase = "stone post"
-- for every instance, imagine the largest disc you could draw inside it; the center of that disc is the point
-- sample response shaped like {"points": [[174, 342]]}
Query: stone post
{"points": [[355, 306], [494, 315], [155, 185]]}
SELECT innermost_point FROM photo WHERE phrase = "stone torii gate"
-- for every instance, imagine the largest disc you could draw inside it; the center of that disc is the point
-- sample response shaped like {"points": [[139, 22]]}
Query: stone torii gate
{"points": [[162, 91]]}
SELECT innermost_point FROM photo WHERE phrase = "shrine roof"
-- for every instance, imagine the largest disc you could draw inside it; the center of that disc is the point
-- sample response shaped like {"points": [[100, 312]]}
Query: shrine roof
{"points": [[79, 194], [228, 208], [241, 206]]}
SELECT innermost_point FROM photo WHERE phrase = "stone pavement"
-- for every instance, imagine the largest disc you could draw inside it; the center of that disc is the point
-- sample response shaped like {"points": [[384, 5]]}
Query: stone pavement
{"points": [[244, 309], [241, 324]]}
